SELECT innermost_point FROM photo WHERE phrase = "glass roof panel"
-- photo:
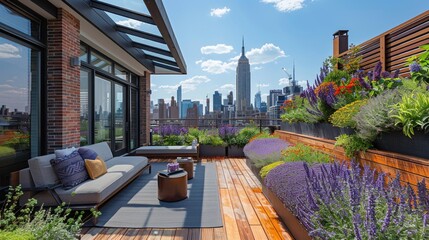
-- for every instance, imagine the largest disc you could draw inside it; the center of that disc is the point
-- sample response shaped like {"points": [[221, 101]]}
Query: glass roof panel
{"points": [[148, 42], [159, 55], [133, 5], [132, 23]]}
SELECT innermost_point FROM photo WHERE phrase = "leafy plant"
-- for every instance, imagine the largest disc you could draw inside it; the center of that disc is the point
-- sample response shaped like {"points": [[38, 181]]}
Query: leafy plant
{"points": [[243, 137], [6, 151], [384, 84], [337, 76], [213, 140], [228, 134], [413, 113], [264, 151], [41, 223], [343, 203], [419, 65], [375, 117], [16, 235], [265, 170], [343, 117], [301, 152], [352, 144], [173, 140], [263, 134]]}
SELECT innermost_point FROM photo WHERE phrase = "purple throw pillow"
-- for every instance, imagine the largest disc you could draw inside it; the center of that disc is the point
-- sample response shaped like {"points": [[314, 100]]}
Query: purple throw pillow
{"points": [[70, 169], [87, 153]]}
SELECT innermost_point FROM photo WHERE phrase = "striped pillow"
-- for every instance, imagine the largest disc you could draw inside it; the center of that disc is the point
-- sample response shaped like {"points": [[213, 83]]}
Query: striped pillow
{"points": [[70, 169]]}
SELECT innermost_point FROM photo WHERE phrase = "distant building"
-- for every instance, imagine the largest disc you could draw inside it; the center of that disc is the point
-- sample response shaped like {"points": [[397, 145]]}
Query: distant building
{"points": [[230, 98], [192, 116], [179, 100], [207, 105], [273, 96], [162, 109], [263, 108], [217, 102], [184, 107], [258, 100], [225, 102], [243, 83], [173, 109]]}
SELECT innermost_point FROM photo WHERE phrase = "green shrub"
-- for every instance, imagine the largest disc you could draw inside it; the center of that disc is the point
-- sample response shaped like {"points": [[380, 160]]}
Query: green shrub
{"points": [[375, 117], [301, 152], [265, 170], [244, 136], [16, 235], [213, 140], [299, 115], [343, 117], [195, 133], [157, 140], [337, 76], [173, 140], [6, 151], [352, 144], [413, 113]]}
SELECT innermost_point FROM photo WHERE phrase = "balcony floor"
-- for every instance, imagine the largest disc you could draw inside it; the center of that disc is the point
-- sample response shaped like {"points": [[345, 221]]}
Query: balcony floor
{"points": [[247, 214]]}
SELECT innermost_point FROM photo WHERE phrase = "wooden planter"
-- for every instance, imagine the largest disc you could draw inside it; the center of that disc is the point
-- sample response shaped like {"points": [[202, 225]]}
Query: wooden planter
{"points": [[212, 151], [321, 130], [294, 226], [255, 170], [397, 142], [234, 151]]}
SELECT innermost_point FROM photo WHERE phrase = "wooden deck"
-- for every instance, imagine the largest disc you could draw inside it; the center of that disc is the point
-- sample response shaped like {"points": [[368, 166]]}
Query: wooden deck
{"points": [[247, 214]]}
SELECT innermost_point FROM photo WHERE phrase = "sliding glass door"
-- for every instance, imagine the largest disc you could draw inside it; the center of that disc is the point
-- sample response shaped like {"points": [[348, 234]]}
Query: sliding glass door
{"points": [[120, 117]]}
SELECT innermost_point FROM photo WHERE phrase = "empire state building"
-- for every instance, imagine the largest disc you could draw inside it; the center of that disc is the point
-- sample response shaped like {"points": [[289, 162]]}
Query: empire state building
{"points": [[242, 84]]}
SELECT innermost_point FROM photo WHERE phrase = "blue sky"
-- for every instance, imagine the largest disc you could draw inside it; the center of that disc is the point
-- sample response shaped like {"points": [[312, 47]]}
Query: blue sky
{"points": [[276, 32]]}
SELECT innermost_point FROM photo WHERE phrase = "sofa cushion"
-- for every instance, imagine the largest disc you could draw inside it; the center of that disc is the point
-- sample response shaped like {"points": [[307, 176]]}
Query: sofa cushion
{"points": [[41, 170], [102, 149], [60, 153], [70, 169], [166, 150], [119, 171], [87, 153], [95, 167]]}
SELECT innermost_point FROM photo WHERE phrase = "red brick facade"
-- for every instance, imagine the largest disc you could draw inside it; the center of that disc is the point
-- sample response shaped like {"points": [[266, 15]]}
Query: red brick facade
{"points": [[144, 109], [63, 82]]}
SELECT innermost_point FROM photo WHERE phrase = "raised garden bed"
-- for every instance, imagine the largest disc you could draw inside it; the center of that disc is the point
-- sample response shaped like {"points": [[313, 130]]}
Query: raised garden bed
{"points": [[234, 151], [255, 170], [212, 151], [297, 230], [399, 143], [321, 130]]}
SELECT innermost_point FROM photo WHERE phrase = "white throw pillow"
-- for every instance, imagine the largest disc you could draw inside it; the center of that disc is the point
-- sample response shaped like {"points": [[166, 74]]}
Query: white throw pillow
{"points": [[64, 152]]}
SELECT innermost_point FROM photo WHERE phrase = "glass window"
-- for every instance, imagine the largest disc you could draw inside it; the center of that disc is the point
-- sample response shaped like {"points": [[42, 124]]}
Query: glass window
{"points": [[121, 72], [101, 62], [18, 21], [84, 107], [19, 105], [83, 53], [134, 79], [133, 119], [120, 118], [102, 110]]}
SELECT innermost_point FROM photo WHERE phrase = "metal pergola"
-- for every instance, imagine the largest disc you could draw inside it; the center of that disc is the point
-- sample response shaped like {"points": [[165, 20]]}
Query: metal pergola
{"points": [[160, 54]]}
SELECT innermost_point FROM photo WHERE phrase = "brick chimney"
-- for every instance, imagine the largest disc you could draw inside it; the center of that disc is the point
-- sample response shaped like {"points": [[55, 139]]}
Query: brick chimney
{"points": [[341, 42]]}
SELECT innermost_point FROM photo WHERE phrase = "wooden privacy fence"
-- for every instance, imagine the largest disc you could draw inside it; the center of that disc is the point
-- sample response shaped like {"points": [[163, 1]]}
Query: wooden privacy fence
{"points": [[393, 47]]}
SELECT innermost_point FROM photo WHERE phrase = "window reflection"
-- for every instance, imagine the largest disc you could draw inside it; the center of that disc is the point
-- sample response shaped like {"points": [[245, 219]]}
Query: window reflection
{"points": [[102, 109], [21, 23], [100, 62], [84, 107]]}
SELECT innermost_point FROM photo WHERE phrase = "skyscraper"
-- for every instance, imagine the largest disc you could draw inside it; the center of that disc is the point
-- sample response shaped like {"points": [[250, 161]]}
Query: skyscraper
{"points": [[217, 102], [162, 109], [173, 109], [243, 83], [230, 98], [272, 100], [179, 100], [258, 100], [207, 105]]}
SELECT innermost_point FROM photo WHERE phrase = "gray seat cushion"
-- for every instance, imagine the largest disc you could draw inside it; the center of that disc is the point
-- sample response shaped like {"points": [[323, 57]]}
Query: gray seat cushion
{"points": [[166, 150], [102, 149], [119, 171], [41, 170]]}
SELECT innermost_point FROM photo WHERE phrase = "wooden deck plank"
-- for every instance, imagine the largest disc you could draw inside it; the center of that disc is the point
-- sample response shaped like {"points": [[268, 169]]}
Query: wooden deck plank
{"points": [[246, 212]]}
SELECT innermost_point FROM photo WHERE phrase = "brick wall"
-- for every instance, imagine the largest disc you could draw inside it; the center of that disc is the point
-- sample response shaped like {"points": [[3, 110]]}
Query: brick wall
{"points": [[144, 108], [63, 82], [412, 169]]}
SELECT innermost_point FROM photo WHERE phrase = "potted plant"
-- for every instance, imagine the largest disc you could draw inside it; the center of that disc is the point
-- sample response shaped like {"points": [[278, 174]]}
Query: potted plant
{"points": [[211, 145]]}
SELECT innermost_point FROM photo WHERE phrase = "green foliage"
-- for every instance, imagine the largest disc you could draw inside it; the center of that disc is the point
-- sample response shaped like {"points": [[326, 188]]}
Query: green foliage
{"points": [[351, 61], [265, 170], [58, 223], [157, 140], [422, 60], [6, 151], [352, 144], [195, 133], [413, 113], [213, 140], [174, 140], [375, 117], [264, 134], [16, 235], [299, 115], [18, 140], [343, 117], [337, 76], [244, 136], [383, 85], [301, 152]]}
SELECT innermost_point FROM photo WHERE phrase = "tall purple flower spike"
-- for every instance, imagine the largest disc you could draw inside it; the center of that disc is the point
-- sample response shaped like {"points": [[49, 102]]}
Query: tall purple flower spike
{"points": [[377, 72]]}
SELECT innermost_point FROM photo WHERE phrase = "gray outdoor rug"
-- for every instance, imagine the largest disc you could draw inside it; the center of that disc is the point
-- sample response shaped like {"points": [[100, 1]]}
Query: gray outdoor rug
{"points": [[137, 205]]}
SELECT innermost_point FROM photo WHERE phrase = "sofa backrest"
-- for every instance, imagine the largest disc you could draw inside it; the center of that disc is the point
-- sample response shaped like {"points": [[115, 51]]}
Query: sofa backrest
{"points": [[102, 149], [41, 170]]}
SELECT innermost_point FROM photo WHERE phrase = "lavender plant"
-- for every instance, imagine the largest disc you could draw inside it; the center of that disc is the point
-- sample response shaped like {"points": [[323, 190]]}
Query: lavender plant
{"points": [[264, 151], [343, 203]]}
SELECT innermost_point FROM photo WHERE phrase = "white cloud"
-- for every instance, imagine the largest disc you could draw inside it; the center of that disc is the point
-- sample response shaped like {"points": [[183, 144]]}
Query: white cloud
{"points": [[219, 12], [217, 49], [284, 81], [257, 68], [267, 53], [216, 66], [152, 85], [9, 51], [188, 85], [286, 5], [228, 87], [262, 85], [131, 23]]}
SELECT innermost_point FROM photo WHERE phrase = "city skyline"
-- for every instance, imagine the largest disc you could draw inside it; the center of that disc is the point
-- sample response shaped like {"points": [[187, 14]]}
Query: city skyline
{"points": [[300, 32]]}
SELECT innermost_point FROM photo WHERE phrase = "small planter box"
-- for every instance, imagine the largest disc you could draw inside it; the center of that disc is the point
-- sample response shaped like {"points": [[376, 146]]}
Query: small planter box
{"points": [[294, 226], [255, 170], [234, 151], [397, 142], [212, 151], [321, 130]]}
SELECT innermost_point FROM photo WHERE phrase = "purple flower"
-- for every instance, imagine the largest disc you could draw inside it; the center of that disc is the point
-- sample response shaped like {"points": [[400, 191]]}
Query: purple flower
{"points": [[385, 74], [415, 67], [388, 216], [356, 224], [370, 217], [395, 74], [377, 72]]}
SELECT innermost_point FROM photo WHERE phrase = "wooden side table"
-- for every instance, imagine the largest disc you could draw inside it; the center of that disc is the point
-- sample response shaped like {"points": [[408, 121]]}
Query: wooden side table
{"points": [[188, 166], [173, 188]]}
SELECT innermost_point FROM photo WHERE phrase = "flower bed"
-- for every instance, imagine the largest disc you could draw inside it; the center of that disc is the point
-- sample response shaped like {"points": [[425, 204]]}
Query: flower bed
{"points": [[265, 151]]}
